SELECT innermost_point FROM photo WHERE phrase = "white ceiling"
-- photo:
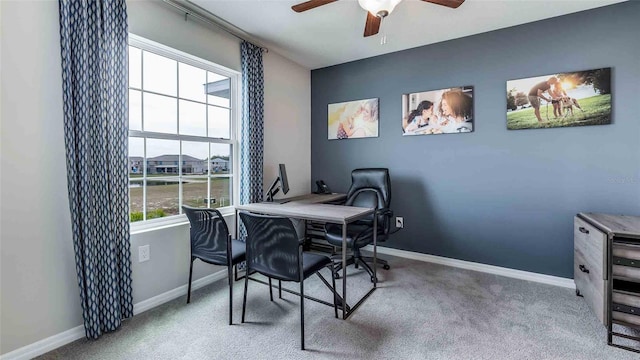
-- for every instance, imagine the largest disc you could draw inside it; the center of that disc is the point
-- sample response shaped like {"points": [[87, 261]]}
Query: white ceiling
{"points": [[332, 34]]}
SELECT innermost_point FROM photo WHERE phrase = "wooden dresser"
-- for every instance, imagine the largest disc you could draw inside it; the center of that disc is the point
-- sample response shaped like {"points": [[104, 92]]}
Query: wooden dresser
{"points": [[607, 270]]}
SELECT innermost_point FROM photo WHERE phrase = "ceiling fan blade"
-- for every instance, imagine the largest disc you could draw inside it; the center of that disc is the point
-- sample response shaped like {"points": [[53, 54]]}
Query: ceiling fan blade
{"points": [[372, 26], [311, 4], [449, 3]]}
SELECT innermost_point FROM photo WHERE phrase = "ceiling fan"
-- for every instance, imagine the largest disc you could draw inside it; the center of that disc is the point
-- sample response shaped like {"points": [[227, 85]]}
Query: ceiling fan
{"points": [[376, 10]]}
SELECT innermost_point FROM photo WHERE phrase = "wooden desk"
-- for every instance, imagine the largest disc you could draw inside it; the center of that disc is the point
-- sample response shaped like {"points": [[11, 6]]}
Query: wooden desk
{"points": [[312, 199], [310, 209]]}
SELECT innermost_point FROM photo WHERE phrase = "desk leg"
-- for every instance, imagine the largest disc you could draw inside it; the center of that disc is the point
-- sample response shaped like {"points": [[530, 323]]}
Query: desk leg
{"points": [[375, 249], [344, 270]]}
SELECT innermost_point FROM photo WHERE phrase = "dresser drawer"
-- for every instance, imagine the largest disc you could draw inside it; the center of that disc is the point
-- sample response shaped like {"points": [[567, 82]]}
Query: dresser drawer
{"points": [[626, 261], [630, 319], [626, 299], [590, 243], [590, 285]]}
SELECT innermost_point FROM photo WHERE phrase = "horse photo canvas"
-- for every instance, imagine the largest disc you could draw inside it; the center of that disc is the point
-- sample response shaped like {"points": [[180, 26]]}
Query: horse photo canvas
{"points": [[353, 119], [444, 111], [564, 99]]}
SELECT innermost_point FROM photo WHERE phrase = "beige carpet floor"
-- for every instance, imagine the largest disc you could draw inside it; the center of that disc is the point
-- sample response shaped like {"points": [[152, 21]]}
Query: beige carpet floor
{"points": [[420, 311]]}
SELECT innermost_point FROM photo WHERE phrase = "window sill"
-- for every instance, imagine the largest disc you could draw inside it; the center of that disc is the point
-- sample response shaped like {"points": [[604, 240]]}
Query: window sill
{"points": [[170, 221]]}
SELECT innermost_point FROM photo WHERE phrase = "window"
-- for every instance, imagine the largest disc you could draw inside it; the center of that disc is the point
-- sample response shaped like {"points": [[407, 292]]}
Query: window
{"points": [[182, 138]]}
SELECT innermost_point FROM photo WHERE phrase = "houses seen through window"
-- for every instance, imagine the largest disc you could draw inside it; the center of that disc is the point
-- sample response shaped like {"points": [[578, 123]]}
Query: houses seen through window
{"points": [[181, 138]]}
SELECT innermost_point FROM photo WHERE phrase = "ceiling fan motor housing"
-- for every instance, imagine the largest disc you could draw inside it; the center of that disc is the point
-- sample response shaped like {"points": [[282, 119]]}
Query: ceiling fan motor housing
{"points": [[380, 8]]}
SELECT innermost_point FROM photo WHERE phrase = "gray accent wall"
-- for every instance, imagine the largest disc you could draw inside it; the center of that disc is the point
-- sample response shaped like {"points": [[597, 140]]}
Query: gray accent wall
{"points": [[495, 196]]}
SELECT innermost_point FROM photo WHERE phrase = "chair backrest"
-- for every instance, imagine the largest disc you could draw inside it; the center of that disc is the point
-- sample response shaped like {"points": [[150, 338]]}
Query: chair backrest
{"points": [[209, 235], [370, 188], [273, 248]]}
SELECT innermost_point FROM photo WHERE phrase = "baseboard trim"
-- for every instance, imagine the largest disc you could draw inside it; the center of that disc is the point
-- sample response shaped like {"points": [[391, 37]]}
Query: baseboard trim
{"points": [[490, 269], [45, 345], [53, 342], [150, 303]]}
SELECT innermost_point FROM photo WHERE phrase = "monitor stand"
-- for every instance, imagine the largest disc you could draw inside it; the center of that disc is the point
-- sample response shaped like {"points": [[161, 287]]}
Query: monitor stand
{"points": [[280, 201]]}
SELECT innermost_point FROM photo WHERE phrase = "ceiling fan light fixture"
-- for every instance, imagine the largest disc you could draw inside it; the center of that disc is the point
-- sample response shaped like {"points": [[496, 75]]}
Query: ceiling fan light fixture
{"points": [[380, 8]]}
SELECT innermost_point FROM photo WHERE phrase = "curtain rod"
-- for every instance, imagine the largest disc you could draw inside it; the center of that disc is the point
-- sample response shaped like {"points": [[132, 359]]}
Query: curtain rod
{"points": [[189, 12]]}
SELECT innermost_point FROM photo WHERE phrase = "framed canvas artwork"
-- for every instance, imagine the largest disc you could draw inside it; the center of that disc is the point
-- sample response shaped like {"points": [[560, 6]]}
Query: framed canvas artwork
{"points": [[444, 111], [564, 99], [353, 119]]}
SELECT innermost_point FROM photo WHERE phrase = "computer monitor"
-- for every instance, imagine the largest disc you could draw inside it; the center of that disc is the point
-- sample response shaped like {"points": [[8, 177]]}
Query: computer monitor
{"points": [[282, 180]]}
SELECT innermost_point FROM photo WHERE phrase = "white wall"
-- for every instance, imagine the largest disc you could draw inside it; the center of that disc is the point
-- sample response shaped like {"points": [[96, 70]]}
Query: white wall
{"points": [[39, 294], [287, 133]]}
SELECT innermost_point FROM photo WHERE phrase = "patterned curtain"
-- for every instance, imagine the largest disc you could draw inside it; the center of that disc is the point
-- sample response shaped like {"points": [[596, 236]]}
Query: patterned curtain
{"points": [[252, 126], [93, 37]]}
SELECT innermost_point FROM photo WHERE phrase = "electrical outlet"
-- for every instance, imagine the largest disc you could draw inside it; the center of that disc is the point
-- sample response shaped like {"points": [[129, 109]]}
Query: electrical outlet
{"points": [[144, 254], [399, 222]]}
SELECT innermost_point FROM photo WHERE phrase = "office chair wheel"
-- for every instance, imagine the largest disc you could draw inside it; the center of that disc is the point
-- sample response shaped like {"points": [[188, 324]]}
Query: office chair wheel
{"points": [[373, 279], [386, 266], [337, 276]]}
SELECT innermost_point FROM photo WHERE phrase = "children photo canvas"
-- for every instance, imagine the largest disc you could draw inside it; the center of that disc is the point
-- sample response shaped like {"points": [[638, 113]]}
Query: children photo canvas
{"points": [[444, 111], [557, 100], [353, 119]]}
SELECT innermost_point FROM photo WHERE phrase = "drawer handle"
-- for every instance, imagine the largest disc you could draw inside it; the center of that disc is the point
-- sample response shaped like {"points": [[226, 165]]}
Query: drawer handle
{"points": [[625, 262], [583, 269], [583, 230]]}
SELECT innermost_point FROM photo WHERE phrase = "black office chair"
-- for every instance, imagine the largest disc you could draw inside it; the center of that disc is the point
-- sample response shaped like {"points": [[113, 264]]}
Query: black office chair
{"points": [[212, 243], [273, 250], [369, 188]]}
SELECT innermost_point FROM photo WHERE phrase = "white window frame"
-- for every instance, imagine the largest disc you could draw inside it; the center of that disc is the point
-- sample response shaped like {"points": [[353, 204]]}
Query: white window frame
{"points": [[234, 80]]}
